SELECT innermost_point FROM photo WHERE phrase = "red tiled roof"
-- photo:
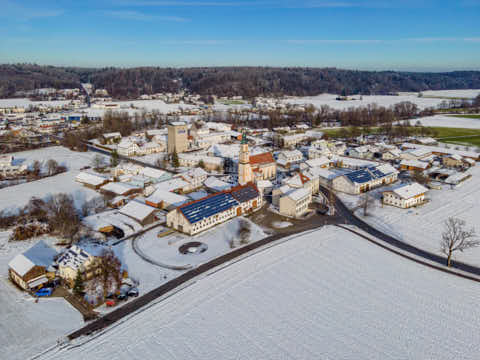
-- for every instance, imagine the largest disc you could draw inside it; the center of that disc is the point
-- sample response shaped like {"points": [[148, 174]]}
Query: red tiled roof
{"points": [[303, 178], [264, 158]]}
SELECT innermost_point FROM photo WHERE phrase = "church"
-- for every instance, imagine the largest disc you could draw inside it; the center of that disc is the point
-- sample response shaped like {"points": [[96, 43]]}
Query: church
{"points": [[256, 167]]}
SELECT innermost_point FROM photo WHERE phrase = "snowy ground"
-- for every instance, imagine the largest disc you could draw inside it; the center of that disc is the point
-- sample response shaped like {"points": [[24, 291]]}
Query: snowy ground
{"points": [[26, 327], [281, 224], [309, 298], [448, 121], [423, 226], [466, 93], [14, 197], [330, 100], [218, 239]]}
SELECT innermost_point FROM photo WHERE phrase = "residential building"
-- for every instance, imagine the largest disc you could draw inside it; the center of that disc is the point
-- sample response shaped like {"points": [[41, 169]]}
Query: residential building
{"points": [[112, 138], [295, 202], [76, 260], [405, 196], [127, 147], [289, 157], [195, 177], [263, 166]]}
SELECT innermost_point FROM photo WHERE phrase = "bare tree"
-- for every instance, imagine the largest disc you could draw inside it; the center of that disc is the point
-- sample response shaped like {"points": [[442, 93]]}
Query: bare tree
{"points": [[457, 237], [97, 161], [52, 167], [366, 203], [110, 271], [36, 168]]}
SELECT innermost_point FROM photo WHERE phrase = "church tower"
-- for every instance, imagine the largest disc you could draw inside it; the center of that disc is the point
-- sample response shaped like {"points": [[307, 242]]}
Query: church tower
{"points": [[245, 174]]}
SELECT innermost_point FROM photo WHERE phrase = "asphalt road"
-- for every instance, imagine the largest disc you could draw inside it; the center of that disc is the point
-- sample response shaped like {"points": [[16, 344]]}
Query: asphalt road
{"points": [[350, 218]]}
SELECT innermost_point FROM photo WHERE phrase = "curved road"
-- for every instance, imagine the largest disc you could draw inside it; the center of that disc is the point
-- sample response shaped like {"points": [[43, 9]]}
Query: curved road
{"points": [[342, 212], [350, 218]]}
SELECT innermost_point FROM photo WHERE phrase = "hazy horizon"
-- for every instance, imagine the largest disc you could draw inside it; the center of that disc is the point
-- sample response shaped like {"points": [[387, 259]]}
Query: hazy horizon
{"points": [[421, 35]]}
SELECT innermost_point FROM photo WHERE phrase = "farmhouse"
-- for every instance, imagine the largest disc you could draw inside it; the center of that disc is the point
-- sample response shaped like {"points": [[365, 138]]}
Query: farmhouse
{"points": [[127, 148], [405, 196], [289, 157], [32, 268], [195, 177], [120, 188]]}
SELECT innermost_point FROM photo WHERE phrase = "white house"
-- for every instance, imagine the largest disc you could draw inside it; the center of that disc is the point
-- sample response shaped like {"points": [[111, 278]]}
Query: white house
{"points": [[289, 157], [127, 148], [405, 196]]}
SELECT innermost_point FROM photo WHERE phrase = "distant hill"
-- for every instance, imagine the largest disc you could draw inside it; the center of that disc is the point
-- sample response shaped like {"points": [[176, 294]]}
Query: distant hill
{"points": [[224, 81]]}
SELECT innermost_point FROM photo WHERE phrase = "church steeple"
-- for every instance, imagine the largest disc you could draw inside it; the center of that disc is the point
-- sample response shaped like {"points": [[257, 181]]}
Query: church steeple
{"points": [[245, 174]]}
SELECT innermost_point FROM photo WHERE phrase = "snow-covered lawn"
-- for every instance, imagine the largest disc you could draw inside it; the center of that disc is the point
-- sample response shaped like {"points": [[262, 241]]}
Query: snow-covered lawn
{"points": [[381, 100], [26, 327], [14, 197], [165, 249], [312, 297], [448, 121], [423, 226]]}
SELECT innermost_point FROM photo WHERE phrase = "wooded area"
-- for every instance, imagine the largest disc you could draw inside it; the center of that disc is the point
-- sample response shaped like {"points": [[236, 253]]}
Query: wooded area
{"points": [[228, 81]]}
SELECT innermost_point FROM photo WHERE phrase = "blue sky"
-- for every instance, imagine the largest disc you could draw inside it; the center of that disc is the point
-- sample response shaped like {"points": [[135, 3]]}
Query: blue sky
{"points": [[418, 35]]}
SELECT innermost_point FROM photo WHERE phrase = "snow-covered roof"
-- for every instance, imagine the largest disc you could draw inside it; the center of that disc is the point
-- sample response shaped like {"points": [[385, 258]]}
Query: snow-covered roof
{"points": [[264, 184], [216, 184], [152, 173], [167, 196], [317, 162], [172, 184], [136, 210], [409, 191], [178, 123], [415, 163], [91, 179], [442, 150], [118, 188], [298, 194], [112, 135]]}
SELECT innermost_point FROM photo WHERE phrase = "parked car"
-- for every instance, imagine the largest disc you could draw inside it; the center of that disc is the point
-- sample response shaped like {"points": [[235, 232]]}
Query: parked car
{"points": [[133, 292], [44, 292], [122, 296], [110, 303]]}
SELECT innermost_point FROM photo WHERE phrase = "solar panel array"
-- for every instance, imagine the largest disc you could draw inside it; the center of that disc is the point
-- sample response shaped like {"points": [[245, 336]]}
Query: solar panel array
{"points": [[245, 194], [359, 176], [377, 173], [203, 209]]}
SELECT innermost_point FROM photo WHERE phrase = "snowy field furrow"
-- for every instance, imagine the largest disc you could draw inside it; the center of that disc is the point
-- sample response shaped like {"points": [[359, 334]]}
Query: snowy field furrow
{"points": [[327, 294], [448, 121]]}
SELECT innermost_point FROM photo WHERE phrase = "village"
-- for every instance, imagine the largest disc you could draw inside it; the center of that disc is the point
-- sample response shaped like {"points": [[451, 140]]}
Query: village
{"points": [[153, 204]]}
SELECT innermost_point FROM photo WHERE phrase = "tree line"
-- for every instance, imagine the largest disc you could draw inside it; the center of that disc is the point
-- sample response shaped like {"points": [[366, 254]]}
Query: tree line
{"points": [[123, 83]]}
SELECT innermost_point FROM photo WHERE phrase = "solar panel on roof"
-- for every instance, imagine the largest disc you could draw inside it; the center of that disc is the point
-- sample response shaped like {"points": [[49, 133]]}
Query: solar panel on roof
{"points": [[205, 208], [359, 176], [245, 194]]}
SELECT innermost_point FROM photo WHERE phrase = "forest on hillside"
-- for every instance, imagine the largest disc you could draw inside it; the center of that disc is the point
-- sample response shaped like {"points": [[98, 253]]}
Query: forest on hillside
{"points": [[127, 83]]}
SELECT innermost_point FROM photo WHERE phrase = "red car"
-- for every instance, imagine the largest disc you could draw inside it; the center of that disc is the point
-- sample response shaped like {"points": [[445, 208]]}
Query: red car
{"points": [[110, 303]]}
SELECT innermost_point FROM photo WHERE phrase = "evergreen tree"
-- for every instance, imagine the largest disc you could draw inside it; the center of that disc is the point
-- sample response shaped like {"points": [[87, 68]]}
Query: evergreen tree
{"points": [[175, 161], [78, 286], [201, 164], [114, 159]]}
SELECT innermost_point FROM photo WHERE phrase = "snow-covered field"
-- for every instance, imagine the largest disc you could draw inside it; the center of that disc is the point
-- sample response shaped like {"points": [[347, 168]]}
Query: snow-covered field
{"points": [[14, 197], [448, 121], [381, 100], [309, 298], [463, 93], [26, 327], [423, 226]]}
